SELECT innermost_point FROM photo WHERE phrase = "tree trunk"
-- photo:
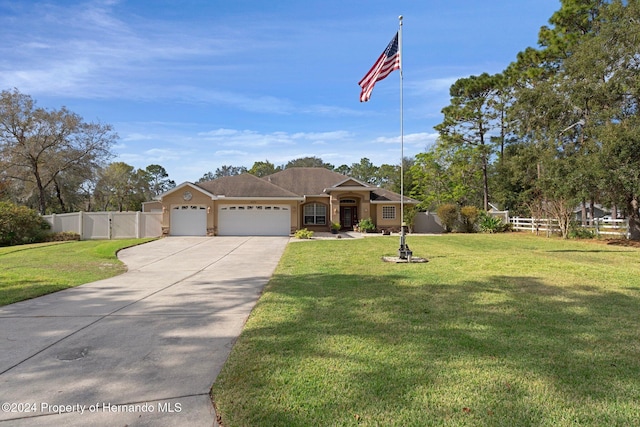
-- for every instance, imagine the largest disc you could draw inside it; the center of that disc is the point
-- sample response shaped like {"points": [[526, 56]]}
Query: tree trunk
{"points": [[485, 183], [63, 208], [634, 219], [41, 195]]}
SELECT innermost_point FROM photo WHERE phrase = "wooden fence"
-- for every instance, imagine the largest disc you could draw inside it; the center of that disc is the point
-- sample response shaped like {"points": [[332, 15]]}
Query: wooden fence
{"points": [[108, 225], [600, 227]]}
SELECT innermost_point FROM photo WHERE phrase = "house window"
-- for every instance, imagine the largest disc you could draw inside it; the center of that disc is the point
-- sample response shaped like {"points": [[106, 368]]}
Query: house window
{"points": [[388, 212], [315, 214]]}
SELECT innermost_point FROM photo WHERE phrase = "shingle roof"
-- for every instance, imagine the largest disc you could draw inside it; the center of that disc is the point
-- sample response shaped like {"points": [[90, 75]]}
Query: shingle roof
{"points": [[291, 182], [382, 195], [244, 185], [306, 181]]}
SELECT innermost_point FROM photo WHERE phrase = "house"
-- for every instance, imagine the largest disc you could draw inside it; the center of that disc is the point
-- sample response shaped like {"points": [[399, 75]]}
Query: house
{"points": [[278, 204], [599, 211]]}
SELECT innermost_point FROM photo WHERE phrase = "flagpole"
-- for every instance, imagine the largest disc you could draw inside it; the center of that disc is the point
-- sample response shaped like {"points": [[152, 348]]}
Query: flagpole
{"points": [[404, 251]]}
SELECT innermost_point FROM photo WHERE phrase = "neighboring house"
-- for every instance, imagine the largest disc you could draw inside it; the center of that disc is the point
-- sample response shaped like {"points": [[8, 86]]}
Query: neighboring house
{"points": [[599, 211], [277, 204]]}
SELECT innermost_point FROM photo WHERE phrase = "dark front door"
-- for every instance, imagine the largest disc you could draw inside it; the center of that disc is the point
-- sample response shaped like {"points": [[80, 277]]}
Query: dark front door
{"points": [[348, 216]]}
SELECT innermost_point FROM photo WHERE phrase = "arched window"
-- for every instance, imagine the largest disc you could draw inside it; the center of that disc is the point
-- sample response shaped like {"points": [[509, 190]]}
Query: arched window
{"points": [[315, 214]]}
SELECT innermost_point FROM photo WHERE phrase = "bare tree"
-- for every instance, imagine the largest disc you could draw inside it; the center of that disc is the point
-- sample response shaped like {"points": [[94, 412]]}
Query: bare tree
{"points": [[38, 145]]}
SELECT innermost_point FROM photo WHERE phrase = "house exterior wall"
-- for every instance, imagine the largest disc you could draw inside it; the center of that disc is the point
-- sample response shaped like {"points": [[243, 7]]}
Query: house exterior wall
{"points": [[155, 206], [358, 206], [176, 199], [387, 224], [363, 203], [326, 201]]}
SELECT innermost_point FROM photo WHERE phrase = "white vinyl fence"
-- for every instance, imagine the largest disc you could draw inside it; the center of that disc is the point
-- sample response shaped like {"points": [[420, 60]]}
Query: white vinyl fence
{"points": [[108, 225], [601, 227], [427, 222]]}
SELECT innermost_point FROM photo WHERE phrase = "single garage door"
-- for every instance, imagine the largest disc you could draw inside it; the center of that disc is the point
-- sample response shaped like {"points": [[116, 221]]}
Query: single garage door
{"points": [[254, 220], [188, 220]]}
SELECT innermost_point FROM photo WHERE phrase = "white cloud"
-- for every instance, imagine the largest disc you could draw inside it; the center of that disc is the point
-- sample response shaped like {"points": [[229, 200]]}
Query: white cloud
{"points": [[231, 153], [426, 86], [137, 137], [338, 135], [86, 51], [423, 139], [251, 138]]}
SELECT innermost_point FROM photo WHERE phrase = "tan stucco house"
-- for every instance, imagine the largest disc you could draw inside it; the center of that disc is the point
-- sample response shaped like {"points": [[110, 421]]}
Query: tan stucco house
{"points": [[277, 204]]}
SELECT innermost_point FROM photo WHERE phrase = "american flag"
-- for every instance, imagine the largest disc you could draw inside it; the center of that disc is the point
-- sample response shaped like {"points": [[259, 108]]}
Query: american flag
{"points": [[388, 62]]}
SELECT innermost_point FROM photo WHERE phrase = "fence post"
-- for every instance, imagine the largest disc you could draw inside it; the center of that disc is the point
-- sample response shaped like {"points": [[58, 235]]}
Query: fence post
{"points": [[81, 225], [110, 217], [138, 218], [596, 221], [628, 233]]}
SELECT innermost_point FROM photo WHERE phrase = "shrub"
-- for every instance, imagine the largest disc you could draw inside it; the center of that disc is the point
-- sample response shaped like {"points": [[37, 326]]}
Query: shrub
{"points": [[366, 225], [468, 218], [491, 224], [20, 225], [303, 234], [62, 236], [448, 214], [578, 232]]}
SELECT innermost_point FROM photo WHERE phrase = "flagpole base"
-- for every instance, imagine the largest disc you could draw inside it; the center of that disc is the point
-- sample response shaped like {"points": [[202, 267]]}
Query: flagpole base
{"points": [[404, 252]]}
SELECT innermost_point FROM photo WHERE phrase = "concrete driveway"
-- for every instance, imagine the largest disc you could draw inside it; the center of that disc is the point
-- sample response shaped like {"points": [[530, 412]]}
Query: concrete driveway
{"points": [[139, 349]]}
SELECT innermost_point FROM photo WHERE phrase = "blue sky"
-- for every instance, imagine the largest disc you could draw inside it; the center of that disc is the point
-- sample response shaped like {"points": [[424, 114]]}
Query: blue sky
{"points": [[194, 84]]}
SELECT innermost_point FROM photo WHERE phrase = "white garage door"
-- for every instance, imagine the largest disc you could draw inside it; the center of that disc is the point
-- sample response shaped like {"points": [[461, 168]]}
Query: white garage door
{"points": [[188, 220], [254, 220]]}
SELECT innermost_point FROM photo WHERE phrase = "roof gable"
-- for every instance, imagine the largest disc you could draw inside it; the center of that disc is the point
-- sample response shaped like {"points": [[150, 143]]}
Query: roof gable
{"points": [[351, 182], [185, 185]]}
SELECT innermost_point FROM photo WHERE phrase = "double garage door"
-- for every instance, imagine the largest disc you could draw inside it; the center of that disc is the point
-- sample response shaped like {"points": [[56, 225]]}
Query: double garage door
{"points": [[233, 220]]}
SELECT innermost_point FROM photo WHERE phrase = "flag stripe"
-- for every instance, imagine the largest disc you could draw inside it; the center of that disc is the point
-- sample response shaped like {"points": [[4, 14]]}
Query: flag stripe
{"points": [[388, 62]]}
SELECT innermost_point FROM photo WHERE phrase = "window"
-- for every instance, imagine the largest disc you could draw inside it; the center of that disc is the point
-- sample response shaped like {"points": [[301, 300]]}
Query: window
{"points": [[315, 214], [388, 212]]}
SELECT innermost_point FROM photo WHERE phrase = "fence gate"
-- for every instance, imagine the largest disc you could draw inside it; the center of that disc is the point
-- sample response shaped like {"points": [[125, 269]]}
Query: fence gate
{"points": [[108, 225]]}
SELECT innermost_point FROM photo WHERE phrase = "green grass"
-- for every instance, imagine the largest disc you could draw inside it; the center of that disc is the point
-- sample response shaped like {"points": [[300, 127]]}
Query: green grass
{"points": [[28, 271], [495, 330]]}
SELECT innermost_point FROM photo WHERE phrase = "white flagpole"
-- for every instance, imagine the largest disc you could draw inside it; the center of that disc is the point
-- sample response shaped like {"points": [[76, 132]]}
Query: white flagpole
{"points": [[404, 249]]}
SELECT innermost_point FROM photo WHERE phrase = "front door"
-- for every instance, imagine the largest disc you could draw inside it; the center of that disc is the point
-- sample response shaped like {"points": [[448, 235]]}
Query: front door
{"points": [[348, 216]]}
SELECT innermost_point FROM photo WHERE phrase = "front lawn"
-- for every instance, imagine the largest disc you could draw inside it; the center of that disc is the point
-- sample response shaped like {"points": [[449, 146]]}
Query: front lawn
{"points": [[28, 271], [495, 330]]}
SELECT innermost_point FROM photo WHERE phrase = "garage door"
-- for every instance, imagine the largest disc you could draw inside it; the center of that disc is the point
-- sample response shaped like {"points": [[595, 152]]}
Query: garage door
{"points": [[254, 220], [188, 220]]}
